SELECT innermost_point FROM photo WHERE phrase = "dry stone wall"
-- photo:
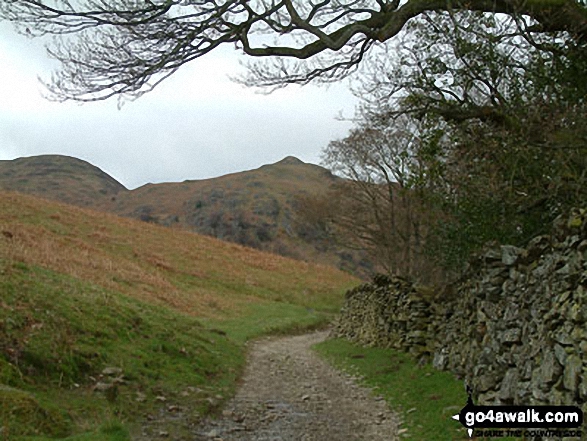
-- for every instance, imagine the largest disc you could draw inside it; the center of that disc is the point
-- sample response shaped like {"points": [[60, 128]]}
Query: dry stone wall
{"points": [[390, 312], [515, 326]]}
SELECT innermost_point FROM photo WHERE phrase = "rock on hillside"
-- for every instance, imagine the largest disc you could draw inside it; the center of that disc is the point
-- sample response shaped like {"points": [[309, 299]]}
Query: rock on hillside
{"points": [[255, 208], [60, 178]]}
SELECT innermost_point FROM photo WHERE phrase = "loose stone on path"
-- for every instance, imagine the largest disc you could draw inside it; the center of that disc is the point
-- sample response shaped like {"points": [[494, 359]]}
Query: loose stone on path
{"points": [[289, 393]]}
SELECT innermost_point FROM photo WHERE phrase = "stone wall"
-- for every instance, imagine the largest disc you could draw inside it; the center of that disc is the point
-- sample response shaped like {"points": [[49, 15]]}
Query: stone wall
{"points": [[515, 326], [390, 312]]}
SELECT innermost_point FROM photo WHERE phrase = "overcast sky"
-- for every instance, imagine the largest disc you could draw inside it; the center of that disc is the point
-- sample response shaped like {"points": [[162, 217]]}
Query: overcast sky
{"points": [[196, 124]]}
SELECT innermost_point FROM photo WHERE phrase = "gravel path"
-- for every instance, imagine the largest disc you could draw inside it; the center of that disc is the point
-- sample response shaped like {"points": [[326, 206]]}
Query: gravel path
{"points": [[288, 393]]}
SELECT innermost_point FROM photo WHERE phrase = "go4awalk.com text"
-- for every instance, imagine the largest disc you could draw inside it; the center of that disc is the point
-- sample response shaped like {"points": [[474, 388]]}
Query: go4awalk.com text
{"points": [[518, 421]]}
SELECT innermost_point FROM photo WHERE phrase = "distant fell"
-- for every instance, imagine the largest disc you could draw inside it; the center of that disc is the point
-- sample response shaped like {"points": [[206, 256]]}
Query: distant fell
{"points": [[58, 177], [256, 208]]}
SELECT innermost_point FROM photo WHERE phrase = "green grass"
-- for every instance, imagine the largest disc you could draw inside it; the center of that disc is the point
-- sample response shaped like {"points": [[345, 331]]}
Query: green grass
{"points": [[58, 334], [424, 397], [111, 431], [270, 318]]}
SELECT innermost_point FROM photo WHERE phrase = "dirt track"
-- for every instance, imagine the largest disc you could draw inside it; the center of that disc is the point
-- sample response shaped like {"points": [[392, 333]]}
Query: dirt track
{"points": [[288, 393]]}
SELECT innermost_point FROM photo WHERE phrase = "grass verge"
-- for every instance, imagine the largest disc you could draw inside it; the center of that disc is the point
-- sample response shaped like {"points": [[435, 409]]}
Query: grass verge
{"points": [[272, 318], [110, 431], [424, 398]]}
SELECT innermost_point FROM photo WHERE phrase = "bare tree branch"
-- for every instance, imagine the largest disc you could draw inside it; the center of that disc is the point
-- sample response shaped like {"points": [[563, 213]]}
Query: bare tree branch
{"points": [[126, 47]]}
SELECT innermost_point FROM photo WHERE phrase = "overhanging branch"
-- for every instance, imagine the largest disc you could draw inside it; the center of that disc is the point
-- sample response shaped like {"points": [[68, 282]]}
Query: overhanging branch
{"points": [[334, 35]]}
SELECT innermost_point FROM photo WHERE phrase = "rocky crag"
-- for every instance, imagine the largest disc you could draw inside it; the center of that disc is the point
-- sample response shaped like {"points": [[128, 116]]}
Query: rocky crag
{"points": [[514, 327]]}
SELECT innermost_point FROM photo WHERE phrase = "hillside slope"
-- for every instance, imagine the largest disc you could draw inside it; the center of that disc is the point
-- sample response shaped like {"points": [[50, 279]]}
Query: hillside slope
{"points": [[265, 194], [60, 178], [104, 318], [257, 208], [156, 264]]}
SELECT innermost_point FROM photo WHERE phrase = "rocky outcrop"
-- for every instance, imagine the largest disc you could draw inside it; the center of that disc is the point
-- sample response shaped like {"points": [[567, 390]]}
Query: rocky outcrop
{"points": [[515, 326]]}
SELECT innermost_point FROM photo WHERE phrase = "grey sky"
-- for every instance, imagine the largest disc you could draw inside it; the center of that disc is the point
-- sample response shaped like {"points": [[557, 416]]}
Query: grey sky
{"points": [[196, 124]]}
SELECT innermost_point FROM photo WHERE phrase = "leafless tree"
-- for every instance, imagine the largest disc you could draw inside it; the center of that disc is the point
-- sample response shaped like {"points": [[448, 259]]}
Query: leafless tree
{"points": [[127, 47], [380, 208]]}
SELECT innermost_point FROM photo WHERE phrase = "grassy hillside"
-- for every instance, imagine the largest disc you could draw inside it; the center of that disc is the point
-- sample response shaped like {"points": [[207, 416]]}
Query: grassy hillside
{"points": [[110, 326], [267, 192], [60, 178], [256, 208]]}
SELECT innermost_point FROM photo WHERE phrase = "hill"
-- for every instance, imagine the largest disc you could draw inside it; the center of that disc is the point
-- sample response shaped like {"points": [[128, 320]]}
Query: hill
{"points": [[60, 178], [247, 207], [109, 325], [257, 208]]}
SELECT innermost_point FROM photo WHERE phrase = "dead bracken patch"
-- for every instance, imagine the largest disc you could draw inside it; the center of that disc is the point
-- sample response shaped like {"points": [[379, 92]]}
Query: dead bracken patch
{"points": [[157, 264]]}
